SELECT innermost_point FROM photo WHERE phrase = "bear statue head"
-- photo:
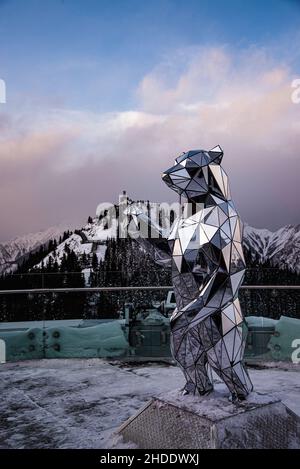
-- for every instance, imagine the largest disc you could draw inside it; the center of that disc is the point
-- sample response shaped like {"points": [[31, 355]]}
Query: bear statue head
{"points": [[197, 173]]}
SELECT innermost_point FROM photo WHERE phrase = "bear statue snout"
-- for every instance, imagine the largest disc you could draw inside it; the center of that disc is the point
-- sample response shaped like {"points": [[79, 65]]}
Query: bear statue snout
{"points": [[166, 177]]}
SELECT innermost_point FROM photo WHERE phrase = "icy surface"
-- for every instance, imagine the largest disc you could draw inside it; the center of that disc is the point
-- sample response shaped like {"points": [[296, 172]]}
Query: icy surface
{"points": [[80, 403], [216, 405]]}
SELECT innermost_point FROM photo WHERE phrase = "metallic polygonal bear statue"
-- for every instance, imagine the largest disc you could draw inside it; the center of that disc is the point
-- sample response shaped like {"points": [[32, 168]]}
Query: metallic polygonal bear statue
{"points": [[208, 266]]}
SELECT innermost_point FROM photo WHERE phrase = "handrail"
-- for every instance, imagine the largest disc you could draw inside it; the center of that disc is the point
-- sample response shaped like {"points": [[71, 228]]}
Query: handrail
{"points": [[82, 289], [164, 287]]}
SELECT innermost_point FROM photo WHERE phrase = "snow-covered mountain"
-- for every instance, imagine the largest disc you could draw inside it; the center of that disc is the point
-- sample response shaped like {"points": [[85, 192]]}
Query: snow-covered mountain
{"points": [[12, 252], [87, 240], [281, 247]]}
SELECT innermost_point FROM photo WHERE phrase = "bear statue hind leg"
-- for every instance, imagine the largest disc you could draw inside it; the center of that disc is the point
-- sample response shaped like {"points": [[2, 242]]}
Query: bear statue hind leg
{"points": [[203, 380], [197, 378], [242, 385], [225, 357], [201, 390], [224, 345], [188, 351]]}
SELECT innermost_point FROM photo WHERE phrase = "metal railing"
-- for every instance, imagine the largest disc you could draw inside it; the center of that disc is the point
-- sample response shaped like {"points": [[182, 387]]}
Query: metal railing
{"points": [[84, 289], [132, 288], [257, 300], [52, 322]]}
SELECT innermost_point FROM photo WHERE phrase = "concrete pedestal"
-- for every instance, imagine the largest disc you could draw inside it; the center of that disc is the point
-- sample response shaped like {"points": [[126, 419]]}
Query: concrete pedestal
{"points": [[173, 421]]}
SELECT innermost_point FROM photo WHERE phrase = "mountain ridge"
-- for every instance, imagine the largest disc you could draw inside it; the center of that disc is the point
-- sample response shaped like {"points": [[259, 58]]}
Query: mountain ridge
{"points": [[281, 247], [13, 252]]}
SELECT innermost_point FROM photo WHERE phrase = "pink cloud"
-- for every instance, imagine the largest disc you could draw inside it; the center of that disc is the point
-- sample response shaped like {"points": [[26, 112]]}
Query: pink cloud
{"points": [[60, 164]]}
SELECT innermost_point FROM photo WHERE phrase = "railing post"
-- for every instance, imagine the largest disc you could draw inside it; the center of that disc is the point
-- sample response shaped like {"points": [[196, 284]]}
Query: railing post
{"points": [[127, 320]]}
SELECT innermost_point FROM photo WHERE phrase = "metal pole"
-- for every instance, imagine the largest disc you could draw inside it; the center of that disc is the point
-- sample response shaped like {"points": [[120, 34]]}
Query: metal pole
{"points": [[153, 288], [127, 320]]}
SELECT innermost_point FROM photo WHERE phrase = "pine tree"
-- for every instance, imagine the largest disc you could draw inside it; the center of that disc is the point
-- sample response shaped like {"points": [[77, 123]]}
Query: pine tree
{"points": [[95, 262], [84, 259], [67, 249]]}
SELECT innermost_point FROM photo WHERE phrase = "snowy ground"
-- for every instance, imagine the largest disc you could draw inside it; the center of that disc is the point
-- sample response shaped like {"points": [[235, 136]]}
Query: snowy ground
{"points": [[78, 403]]}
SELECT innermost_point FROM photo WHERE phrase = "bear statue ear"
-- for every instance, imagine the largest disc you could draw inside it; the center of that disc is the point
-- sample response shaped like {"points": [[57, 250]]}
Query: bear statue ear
{"points": [[216, 154]]}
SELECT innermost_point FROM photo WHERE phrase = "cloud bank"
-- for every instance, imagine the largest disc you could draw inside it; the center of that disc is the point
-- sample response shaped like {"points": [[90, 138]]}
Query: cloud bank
{"points": [[58, 164]]}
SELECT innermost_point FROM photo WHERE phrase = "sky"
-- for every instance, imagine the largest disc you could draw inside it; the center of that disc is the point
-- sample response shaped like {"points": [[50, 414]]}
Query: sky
{"points": [[102, 95]]}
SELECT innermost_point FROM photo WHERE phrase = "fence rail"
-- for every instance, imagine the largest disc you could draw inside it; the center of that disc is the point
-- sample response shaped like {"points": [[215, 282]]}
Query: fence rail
{"points": [[151, 288]]}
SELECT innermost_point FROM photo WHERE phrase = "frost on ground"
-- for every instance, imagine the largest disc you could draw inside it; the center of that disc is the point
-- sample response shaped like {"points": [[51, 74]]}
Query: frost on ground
{"points": [[79, 403]]}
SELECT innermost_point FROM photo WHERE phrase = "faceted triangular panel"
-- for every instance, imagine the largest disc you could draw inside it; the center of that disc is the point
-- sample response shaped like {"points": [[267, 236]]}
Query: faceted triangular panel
{"points": [[181, 173], [226, 252], [229, 312], [185, 236], [182, 183], [239, 249], [178, 262], [212, 219], [209, 230], [217, 174], [231, 211], [223, 217], [177, 248], [237, 234], [236, 280], [227, 325]]}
